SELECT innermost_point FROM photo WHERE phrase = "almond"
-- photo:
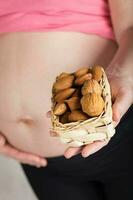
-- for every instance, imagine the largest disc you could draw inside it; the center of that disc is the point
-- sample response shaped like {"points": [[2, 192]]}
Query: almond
{"points": [[81, 72], [64, 118], [77, 92], [73, 103], [80, 80], [64, 94], [91, 86], [63, 83], [60, 108], [63, 74], [92, 104], [90, 70], [97, 72], [77, 115]]}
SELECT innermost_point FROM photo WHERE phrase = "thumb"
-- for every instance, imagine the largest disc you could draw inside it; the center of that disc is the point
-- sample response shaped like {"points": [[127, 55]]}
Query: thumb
{"points": [[48, 114], [123, 100], [2, 140]]}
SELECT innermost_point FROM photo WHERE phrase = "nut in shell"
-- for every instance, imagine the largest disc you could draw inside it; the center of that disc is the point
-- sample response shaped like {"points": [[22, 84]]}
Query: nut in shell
{"points": [[77, 115], [94, 109], [63, 74], [77, 92], [64, 94], [64, 118], [60, 108], [97, 72], [63, 83], [80, 80], [91, 86], [92, 104], [81, 72], [73, 103]]}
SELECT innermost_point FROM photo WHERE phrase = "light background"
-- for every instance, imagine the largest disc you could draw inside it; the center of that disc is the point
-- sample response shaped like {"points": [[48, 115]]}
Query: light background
{"points": [[13, 182]]}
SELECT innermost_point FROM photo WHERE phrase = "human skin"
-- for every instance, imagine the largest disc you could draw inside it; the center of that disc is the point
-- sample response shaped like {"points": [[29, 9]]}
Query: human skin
{"points": [[124, 35], [119, 71], [29, 63]]}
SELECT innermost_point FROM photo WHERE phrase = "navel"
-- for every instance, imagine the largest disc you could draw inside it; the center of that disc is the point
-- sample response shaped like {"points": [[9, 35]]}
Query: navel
{"points": [[27, 121]]}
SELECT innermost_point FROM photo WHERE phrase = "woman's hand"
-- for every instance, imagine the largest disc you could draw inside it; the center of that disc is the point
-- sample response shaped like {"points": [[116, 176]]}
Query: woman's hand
{"points": [[122, 96], [26, 158], [122, 92], [86, 150]]}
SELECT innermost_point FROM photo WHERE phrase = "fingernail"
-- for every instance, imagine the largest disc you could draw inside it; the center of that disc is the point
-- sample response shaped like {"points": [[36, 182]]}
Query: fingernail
{"points": [[52, 133], [48, 114], [38, 166], [43, 163], [1, 141], [68, 156], [85, 155]]}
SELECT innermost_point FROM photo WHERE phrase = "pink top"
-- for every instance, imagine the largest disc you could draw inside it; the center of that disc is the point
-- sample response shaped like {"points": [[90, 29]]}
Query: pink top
{"points": [[86, 16]]}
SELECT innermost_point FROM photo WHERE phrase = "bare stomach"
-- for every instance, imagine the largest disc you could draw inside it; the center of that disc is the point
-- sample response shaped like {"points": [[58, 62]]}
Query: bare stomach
{"points": [[29, 63]]}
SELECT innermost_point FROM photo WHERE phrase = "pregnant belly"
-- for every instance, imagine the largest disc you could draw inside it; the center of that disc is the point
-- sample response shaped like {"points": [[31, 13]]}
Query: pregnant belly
{"points": [[29, 63], [32, 136]]}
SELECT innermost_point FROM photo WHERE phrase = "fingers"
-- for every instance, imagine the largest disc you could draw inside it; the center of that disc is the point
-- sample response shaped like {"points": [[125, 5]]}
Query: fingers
{"points": [[23, 157], [92, 148], [31, 159], [71, 151], [48, 114], [86, 150], [122, 102], [2, 141], [53, 133]]}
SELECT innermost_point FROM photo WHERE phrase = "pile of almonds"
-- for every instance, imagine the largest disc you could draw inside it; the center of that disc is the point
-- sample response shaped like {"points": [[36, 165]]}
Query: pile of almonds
{"points": [[78, 96]]}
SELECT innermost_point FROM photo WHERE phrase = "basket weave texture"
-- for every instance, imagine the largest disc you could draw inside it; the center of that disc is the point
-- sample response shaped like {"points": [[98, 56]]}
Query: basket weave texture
{"points": [[84, 132]]}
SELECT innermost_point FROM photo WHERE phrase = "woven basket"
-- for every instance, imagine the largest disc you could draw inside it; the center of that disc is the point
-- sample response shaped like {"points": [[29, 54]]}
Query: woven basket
{"points": [[84, 132]]}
